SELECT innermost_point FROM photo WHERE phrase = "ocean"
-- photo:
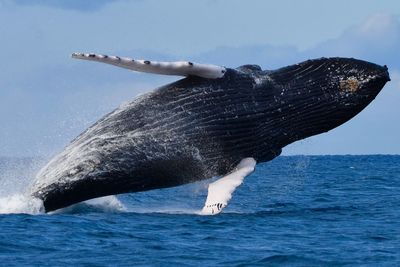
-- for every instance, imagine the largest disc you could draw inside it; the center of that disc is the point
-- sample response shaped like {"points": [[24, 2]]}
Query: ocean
{"points": [[292, 211]]}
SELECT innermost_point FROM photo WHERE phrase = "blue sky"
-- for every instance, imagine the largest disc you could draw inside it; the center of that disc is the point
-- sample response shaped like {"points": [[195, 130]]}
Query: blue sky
{"points": [[46, 98]]}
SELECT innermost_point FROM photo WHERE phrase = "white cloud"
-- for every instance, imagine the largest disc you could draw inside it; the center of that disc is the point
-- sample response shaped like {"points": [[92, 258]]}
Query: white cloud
{"points": [[378, 24]]}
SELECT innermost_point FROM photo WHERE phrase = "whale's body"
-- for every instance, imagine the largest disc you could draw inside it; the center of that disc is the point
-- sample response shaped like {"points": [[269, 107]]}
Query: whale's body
{"points": [[197, 128]]}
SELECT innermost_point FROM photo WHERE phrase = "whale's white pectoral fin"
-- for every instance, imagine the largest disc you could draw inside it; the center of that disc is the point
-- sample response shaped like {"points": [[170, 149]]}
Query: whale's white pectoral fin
{"points": [[179, 68], [220, 191]]}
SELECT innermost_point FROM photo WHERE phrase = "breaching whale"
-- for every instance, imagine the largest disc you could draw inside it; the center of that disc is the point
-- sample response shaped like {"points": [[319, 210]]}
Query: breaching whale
{"points": [[215, 121]]}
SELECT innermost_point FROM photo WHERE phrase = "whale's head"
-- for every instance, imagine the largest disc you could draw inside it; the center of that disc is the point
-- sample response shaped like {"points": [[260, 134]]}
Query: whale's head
{"points": [[319, 95]]}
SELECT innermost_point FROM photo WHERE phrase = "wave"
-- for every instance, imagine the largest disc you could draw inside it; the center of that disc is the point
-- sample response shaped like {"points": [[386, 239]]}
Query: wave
{"points": [[166, 210]]}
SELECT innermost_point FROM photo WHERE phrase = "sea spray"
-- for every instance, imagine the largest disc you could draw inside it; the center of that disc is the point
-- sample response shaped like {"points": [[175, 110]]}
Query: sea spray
{"points": [[20, 203], [17, 174], [15, 180], [108, 204], [16, 177]]}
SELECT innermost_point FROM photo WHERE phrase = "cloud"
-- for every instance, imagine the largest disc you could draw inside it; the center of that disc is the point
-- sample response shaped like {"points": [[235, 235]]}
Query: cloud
{"points": [[379, 25], [377, 39]]}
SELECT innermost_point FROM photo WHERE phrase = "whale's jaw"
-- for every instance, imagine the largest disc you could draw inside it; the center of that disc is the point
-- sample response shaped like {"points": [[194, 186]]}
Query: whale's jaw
{"points": [[198, 128]]}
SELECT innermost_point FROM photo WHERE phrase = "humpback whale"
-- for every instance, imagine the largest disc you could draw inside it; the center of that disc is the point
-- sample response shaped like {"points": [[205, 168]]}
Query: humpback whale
{"points": [[216, 121]]}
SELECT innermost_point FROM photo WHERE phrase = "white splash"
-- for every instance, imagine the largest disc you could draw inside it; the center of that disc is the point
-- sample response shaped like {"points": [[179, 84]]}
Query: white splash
{"points": [[108, 204], [20, 203], [15, 178]]}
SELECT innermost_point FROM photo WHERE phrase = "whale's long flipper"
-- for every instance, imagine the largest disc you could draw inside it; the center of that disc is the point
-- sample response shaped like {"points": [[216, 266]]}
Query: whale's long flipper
{"points": [[179, 68], [220, 191]]}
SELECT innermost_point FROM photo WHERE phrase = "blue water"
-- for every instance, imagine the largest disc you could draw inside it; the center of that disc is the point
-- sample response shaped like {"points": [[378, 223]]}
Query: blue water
{"points": [[293, 211]]}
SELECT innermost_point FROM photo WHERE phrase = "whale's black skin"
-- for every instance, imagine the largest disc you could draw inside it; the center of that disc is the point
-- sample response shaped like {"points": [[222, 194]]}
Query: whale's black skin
{"points": [[197, 128]]}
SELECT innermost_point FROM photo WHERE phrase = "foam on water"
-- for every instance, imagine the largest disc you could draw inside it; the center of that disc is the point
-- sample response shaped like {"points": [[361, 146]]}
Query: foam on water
{"points": [[20, 203], [16, 178], [108, 204]]}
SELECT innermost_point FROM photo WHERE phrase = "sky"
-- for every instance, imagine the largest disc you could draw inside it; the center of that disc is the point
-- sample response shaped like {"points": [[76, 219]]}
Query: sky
{"points": [[46, 98]]}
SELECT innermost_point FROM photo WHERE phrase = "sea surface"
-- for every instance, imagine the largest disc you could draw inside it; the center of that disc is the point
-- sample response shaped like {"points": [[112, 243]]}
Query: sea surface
{"points": [[292, 211]]}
